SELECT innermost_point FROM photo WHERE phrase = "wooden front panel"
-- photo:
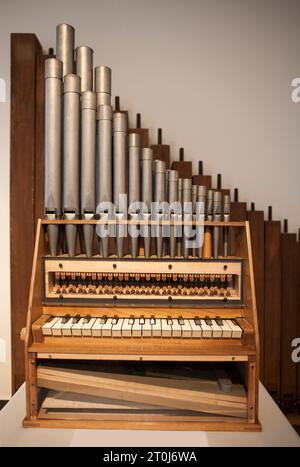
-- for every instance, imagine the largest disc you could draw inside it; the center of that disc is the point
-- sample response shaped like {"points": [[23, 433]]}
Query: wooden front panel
{"points": [[184, 168], [256, 223], [272, 307], [289, 311], [26, 141]]}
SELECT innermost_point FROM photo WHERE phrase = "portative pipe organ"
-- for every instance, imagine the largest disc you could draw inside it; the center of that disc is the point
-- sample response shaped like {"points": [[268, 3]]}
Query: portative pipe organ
{"points": [[132, 260]]}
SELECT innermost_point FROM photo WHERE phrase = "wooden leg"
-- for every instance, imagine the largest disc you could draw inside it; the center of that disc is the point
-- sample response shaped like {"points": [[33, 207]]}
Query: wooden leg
{"points": [[252, 390]]}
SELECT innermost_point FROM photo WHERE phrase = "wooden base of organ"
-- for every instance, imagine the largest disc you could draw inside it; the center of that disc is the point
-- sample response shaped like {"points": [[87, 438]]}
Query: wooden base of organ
{"points": [[243, 352]]}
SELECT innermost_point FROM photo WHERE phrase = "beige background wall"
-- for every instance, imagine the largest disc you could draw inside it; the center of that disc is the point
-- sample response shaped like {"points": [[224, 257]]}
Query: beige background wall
{"points": [[214, 74]]}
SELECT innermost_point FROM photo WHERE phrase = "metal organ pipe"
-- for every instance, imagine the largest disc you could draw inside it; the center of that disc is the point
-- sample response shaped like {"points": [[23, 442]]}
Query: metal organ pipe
{"points": [[104, 166], [159, 197], [65, 39], [103, 85], [226, 219], [71, 135], [217, 200], [147, 157], [172, 198], [53, 149], [201, 199], [187, 209], [119, 173], [88, 165], [134, 192], [84, 67]]}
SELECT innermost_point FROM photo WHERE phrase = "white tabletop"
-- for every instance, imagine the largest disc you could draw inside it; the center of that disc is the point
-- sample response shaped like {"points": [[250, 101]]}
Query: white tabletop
{"points": [[276, 431]]}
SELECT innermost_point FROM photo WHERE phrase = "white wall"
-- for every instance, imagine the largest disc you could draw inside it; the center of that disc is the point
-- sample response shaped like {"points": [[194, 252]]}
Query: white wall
{"points": [[214, 74]]}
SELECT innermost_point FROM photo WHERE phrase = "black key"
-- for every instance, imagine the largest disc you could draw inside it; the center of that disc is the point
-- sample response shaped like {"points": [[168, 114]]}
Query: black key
{"points": [[142, 320], [169, 321], [76, 319], [197, 322], [180, 321], [65, 319], [208, 321], [219, 321], [152, 321], [103, 320], [131, 321], [87, 319]]}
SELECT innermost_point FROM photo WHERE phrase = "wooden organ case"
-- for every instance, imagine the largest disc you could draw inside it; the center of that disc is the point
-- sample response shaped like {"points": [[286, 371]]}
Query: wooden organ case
{"points": [[52, 297], [146, 332]]}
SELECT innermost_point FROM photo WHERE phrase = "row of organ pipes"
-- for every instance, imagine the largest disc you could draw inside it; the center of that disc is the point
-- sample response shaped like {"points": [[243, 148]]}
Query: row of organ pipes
{"points": [[91, 161]]}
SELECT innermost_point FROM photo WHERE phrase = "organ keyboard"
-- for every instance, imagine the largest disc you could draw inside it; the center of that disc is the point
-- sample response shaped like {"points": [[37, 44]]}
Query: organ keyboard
{"points": [[163, 277], [143, 327]]}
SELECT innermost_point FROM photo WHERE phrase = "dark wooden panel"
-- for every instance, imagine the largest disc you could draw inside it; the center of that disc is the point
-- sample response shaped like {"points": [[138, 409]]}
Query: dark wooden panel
{"points": [[238, 211], [24, 51], [143, 132], [202, 180], [184, 167], [272, 307], [161, 151], [289, 283], [256, 222], [298, 318]]}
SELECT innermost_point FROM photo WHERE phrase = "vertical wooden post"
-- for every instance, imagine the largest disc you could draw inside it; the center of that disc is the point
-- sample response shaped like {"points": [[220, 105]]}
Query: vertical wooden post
{"points": [[289, 312], [26, 161], [252, 390], [256, 223], [272, 306]]}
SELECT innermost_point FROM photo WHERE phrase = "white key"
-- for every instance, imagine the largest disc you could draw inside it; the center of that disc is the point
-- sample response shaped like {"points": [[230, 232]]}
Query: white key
{"points": [[137, 328], [117, 328], [236, 330], [156, 328], [127, 327], [87, 327], [97, 326], [166, 328], [46, 328], [186, 329], [107, 328], [147, 328], [76, 328], [67, 328], [176, 328], [57, 327], [196, 329], [216, 330], [206, 329], [226, 330]]}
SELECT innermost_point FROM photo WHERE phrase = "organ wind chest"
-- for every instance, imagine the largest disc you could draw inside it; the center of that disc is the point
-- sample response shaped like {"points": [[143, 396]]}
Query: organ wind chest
{"points": [[142, 306]]}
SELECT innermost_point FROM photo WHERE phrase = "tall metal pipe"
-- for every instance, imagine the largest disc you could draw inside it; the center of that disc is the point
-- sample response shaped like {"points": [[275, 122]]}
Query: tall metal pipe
{"points": [[119, 175], [226, 219], [53, 149], [159, 197], [194, 206], [104, 166], [187, 211], [134, 192], [179, 215], [217, 206], [172, 198], [207, 230], [84, 67], [103, 85], [88, 165], [201, 200], [147, 157], [71, 147], [65, 40]]}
